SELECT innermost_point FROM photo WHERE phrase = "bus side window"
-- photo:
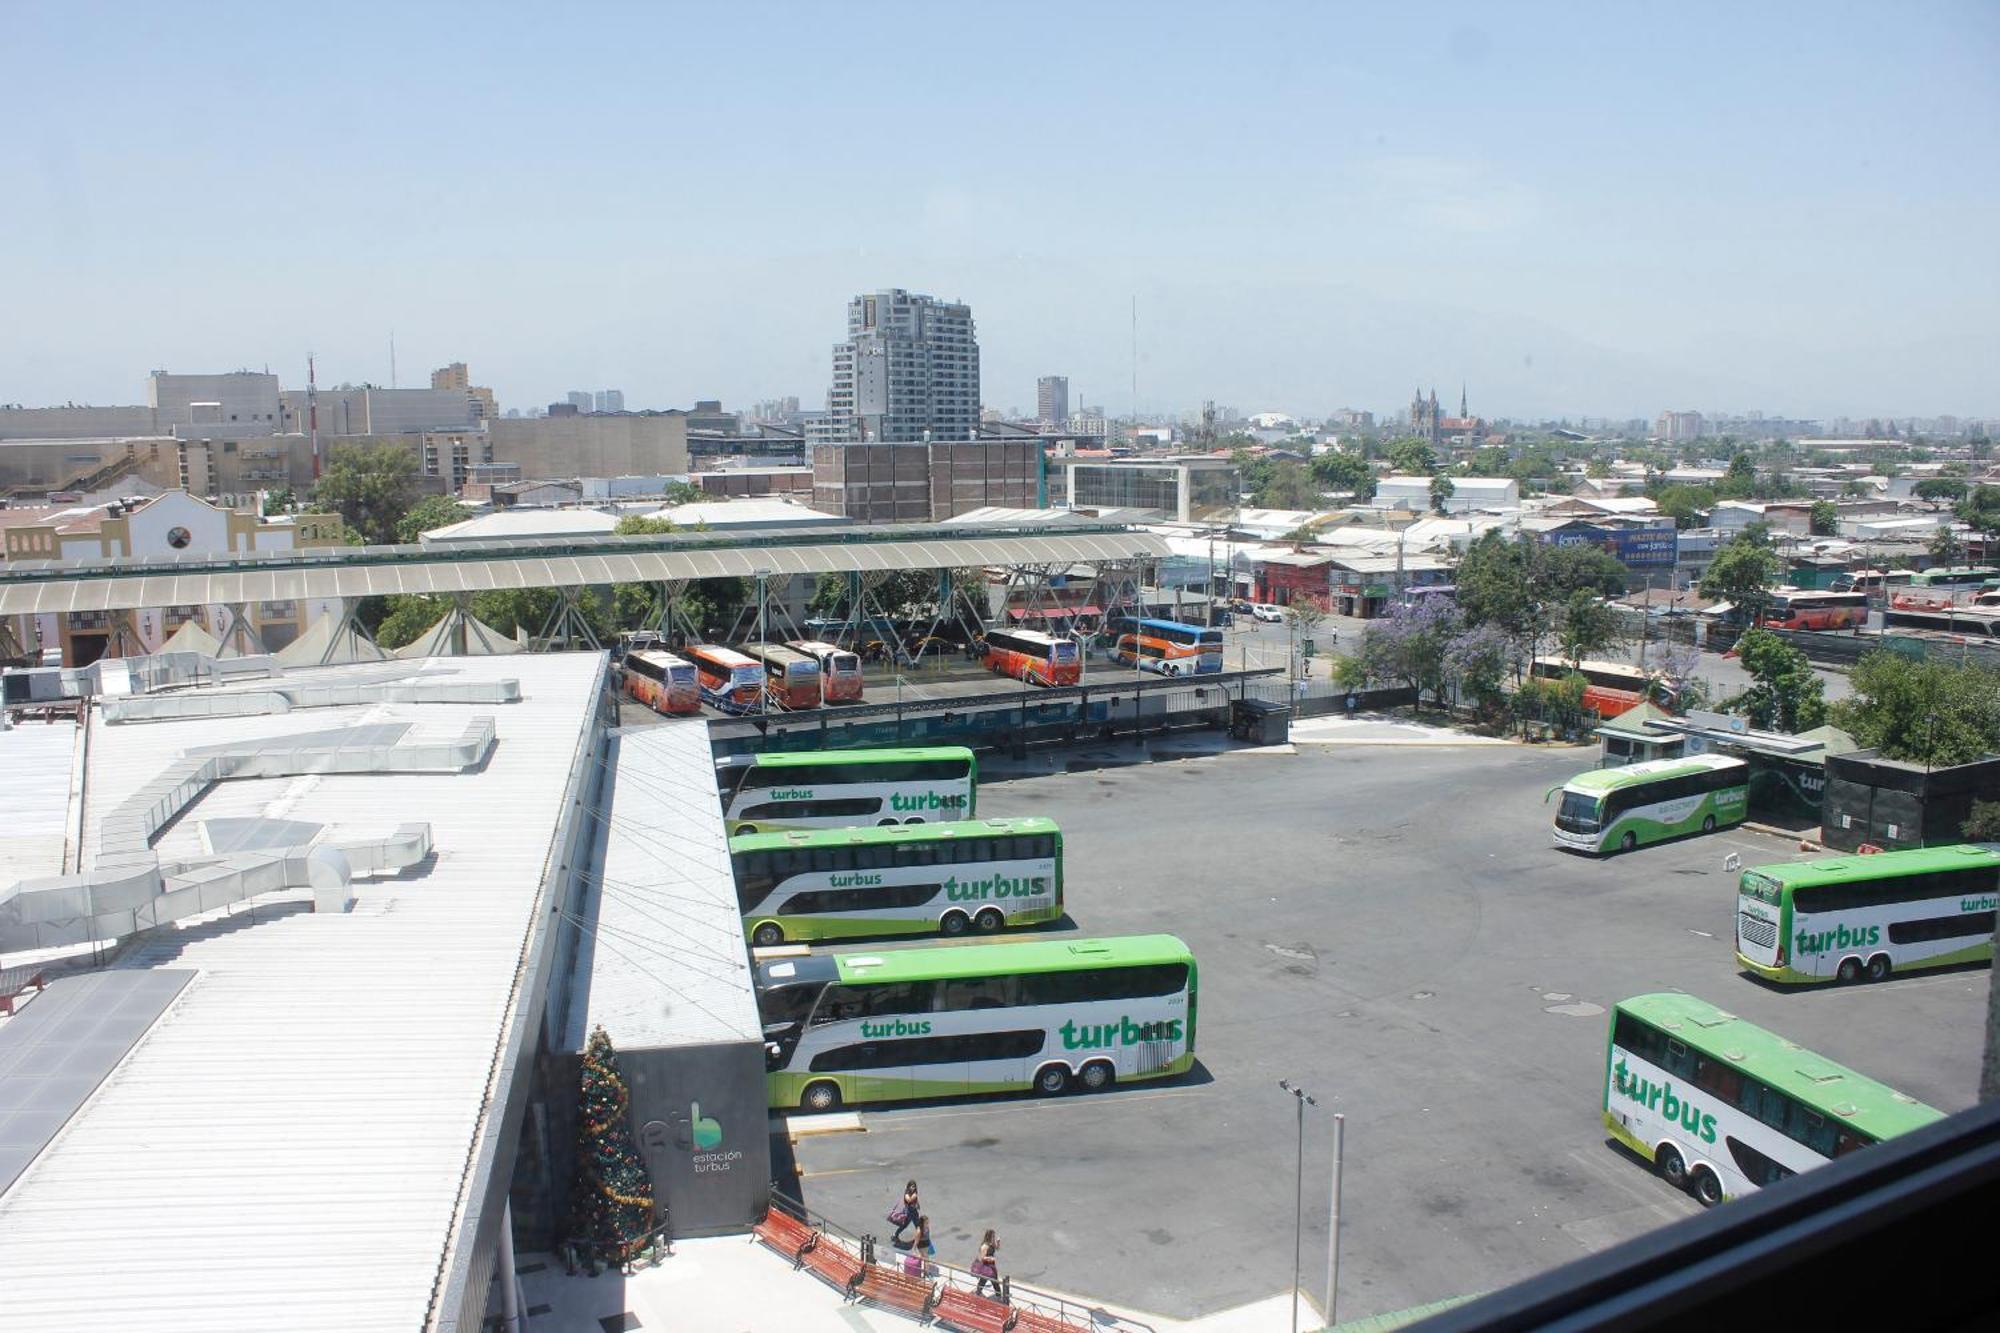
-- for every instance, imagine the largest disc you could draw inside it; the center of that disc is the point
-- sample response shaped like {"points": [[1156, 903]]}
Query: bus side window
{"points": [[1679, 1062], [1718, 1078], [976, 993]]}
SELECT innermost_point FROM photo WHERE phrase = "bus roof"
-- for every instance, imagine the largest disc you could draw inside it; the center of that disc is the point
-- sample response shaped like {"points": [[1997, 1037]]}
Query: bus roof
{"points": [[1878, 865], [823, 758], [818, 647], [939, 962], [1160, 622], [1832, 1089], [1601, 780], [891, 834], [1588, 665], [721, 654], [660, 656]]}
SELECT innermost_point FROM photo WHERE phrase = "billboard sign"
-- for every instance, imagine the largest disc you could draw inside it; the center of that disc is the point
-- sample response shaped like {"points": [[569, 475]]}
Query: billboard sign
{"points": [[1636, 548]]}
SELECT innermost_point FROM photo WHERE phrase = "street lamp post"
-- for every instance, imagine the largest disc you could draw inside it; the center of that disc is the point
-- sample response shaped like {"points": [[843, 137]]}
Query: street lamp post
{"points": [[1304, 1099]]}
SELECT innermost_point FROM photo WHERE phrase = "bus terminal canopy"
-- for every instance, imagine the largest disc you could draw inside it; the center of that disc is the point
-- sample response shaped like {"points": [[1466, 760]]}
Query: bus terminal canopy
{"points": [[122, 584]]}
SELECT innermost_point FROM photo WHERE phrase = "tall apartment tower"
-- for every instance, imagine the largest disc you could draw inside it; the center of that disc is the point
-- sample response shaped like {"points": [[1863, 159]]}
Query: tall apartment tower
{"points": [[909, 371], [1052, 399], [609, 400]]}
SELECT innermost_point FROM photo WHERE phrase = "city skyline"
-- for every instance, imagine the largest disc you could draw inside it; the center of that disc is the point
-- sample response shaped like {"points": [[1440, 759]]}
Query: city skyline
{"points": [[1581, 215]]}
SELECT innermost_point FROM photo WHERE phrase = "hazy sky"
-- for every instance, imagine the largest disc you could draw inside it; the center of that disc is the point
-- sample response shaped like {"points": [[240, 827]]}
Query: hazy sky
{"points": [[1601, 209]]}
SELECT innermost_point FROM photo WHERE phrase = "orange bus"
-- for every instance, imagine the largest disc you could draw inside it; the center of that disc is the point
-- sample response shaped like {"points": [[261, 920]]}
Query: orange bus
{"points": [[662, 682], [791, 677], [729, 680], [1030, 655], [840, 678], [1804, 608], [1166, 646], [1610, 688]]}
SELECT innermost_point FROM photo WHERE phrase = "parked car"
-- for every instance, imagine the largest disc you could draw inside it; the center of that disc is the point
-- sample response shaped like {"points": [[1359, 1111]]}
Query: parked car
{"points": [[1270, 615]]}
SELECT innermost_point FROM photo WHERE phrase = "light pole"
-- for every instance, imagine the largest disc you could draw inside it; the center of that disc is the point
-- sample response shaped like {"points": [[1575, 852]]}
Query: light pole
{"points": [[1304, 1099], [764, 678]]}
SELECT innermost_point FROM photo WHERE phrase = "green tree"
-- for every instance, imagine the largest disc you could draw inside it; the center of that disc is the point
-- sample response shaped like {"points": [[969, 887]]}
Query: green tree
{"points": [[1787, 694], [612, 1203], [643, 525], [1566, 569], [1945, 547], [1981, 510], [406, 618], [1441, 491], [1345, 472], [685, 493], [1489, 461], [1934, 491], [1983, 824], [433, 511], [1825, 518], [1933, 713], [1597, 469], [279, 501], [1413, 457], [1687, 506], [1587, 626], [371, 487], [1287, 485], [1743, 573]]}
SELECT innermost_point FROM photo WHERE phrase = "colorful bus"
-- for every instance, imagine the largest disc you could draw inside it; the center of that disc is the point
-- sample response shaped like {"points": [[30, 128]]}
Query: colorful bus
{"points": [[1030, 655], [1956, 576], [1804, 608], [1166, 646], [1620, 808], [841, 788], [1843, 918], [840, 679], [661, 681], [791, 677], [729, 680], [1610, 688], [823, 884], [1721, 1107], [944, 1020]]}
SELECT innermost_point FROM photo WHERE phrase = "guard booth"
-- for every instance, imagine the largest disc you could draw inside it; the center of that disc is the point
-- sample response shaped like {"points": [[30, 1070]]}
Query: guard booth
{"points": [[1260, 721]]}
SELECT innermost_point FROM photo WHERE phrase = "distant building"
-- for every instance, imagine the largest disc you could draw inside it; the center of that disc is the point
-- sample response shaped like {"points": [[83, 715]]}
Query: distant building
{"points": [[908, 373], [917, 483], [456, 376], [1427, 421], [234, 405], [1052, 399], [368, 410], [579, 445], [1348, 418], [1193, 489], [609, 400], [580, 399], [1675, 427], [1405, 492]]}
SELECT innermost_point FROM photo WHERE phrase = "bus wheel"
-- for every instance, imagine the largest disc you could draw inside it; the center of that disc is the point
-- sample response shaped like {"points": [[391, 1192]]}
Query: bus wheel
{"points": [[1052, 1080], [989, 920], [1850, 971], [955, 923], [1708, 824], [743, 829], [1667, 1161], [1707, 1188], [767, 935], [1097, 1076], [1878, 967], [821, 1096], [1628, 842], [915, 819]]}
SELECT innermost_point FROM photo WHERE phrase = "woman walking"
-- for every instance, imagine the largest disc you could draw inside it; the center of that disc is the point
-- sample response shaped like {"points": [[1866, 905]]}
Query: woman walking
{"points": [[907, 1213], [917, 1263], [987, 1266]]}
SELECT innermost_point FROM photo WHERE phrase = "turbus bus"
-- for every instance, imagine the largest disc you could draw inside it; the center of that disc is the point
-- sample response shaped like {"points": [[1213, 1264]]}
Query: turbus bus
{"points": [[1610, 688], [791, 677], [661, 681], [840, 679], [839, 788], [1721, 1107], [1030, 655], [943, 1020], [1804, 608], [1846, 917], [822, 884], [729, 680], [1166, 646], [1957, 576], [1651, 802]]}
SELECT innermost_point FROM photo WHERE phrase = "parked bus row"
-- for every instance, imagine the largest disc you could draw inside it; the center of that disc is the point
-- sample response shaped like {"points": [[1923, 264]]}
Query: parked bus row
{"points": [[749, 678]]}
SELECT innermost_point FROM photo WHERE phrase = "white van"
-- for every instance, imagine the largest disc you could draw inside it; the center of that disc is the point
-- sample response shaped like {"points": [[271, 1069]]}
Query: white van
{"points": [[1271, 615]]}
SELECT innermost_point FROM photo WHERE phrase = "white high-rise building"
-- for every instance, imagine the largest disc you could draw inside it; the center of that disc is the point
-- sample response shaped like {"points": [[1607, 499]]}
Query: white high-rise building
{"points": [[1052, 399], [908, 372], [610, 400]]}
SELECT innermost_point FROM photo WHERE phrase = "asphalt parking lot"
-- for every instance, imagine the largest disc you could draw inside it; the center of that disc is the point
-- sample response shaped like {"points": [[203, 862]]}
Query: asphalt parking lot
{"points": [[1389, 928]]}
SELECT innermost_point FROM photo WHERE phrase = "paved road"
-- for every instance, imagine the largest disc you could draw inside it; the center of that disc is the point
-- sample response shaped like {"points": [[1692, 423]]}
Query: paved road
{"points": [[1389, 927]]}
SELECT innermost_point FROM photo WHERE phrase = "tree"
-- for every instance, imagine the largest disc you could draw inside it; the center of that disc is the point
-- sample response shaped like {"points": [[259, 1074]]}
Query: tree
{"points": [[1932, 713], [1477, 661], [371, 487], [1825, 518], [1739, 482], [1788, 694], [1945, 547], [611, 1205], [1566, 569], [1587, 626], [1409, 643], [433, 511], [1983, 824], [1687, 506], [407, 618], [1287, 485], [279, 501], [1413, 457], [1597, 469], [1345, 472], [684, 493], [1441, 491], [643, 525], [1933, 490], [1305, 614], [1981, 510], [1743, 573]]}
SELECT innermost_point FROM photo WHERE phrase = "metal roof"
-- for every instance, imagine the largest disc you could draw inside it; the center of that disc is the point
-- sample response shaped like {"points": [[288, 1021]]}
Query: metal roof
{"points": [[107, 584]]}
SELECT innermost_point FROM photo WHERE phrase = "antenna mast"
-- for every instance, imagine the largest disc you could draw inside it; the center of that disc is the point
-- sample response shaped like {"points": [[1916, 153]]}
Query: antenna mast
{"points": [[312, 411]]}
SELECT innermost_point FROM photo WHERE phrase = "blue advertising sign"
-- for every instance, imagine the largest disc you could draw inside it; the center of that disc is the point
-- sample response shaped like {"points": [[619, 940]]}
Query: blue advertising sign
{"points": [[1636, 548]]}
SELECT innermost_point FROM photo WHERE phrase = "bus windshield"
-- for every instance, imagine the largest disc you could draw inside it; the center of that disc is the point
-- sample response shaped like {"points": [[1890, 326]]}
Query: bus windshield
{"points": [[1579, 812]]}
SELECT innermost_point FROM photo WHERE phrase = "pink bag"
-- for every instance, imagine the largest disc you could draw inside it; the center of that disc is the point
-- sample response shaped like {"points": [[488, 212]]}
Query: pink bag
{"points": [[985, 1268], [913, 1264]]}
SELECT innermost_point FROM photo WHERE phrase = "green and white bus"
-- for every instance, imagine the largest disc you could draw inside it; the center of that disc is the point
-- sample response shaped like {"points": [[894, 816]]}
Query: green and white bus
{"points": [[945, 1020], [972, 874], [1721, 1107], [841, 788], [1619, 808], [1847, 917]]}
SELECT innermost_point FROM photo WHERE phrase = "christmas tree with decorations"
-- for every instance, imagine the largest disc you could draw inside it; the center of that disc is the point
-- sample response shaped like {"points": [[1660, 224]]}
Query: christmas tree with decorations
{"points": [[612, 1206]]}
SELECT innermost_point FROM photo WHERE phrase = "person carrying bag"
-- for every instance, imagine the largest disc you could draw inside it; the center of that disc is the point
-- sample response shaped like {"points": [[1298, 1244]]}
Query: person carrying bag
{"points": [[987, 1266], [906, 1212], [917, 1262]]}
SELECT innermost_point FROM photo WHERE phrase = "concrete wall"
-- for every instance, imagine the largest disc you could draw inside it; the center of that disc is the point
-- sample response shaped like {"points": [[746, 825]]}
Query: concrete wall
{"points": [[229, 406], [965, 477], [371, 411], [592, 446], [53, 464], [873, 483], [74, 423]]}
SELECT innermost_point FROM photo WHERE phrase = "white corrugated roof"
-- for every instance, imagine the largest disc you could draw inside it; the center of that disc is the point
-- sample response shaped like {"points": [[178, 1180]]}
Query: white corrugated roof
{"points": [[285, 1148], [663, 962], [35, 761]]}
